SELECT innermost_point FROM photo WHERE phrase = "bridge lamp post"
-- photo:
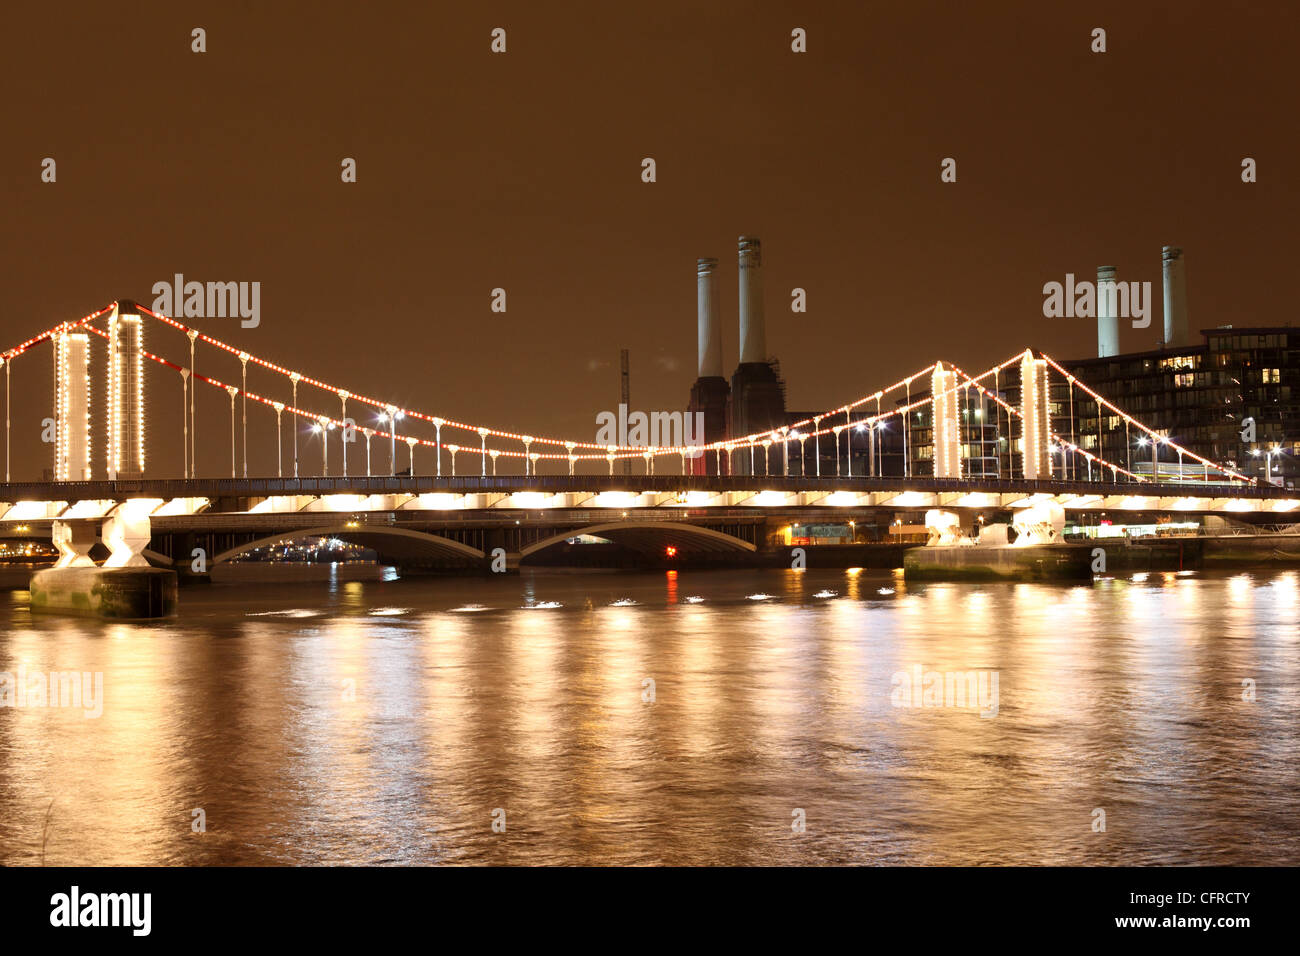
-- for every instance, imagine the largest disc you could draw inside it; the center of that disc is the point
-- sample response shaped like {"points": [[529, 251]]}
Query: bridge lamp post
{"points": [[493, 454], [316, 429], [527, 440], [243, 388], [191, 334], [185, 420], [767, 457], [1268, 459], [6, 365], [279, 444], [837, 429], [482, 447], [848, 442], [344, 395], [753, 470], [391, 414], [369, 433], [817, 444], [437, 443], [410, 456], [569, 446], [533, 456], [803, 447], [294, 377], [453, 449], [877, 447], [232, 391], [609, 457], [1128, 442], [785, 451], [323, 425]]}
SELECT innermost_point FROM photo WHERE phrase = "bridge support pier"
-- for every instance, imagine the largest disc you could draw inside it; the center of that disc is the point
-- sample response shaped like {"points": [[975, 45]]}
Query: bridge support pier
{"points": [[74, 539], [125, 587]]}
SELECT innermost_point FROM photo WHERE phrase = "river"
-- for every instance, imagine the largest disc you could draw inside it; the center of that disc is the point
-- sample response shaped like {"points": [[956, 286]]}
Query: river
{"points": [[709, 717]]}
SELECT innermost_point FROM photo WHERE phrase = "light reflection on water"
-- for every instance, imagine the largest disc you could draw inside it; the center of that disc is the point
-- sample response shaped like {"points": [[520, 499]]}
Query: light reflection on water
{"points": [[369, 722]]}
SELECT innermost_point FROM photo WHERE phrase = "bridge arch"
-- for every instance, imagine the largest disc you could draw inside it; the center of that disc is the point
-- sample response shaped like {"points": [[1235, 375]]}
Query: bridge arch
{"points": [[649, 535], [397, 544]]}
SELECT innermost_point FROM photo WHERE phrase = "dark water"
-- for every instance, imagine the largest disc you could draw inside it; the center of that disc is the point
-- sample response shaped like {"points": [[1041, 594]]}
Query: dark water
{"points": [[383, 722]]}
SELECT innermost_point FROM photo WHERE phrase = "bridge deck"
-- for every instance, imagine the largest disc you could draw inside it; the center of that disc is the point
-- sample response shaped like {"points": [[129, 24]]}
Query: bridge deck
{"points": [[559, 484]]}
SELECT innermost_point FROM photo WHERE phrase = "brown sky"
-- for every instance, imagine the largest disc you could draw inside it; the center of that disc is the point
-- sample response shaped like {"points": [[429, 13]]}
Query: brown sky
{"points": [[522, 171]]}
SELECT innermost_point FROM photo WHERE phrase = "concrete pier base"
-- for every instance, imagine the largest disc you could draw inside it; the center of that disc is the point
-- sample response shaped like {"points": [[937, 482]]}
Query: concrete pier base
{"points": [[105, 592], [1035, 562]]}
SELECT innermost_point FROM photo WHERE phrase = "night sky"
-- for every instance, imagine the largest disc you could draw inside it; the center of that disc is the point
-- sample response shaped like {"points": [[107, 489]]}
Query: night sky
{"points": [[523, 171]]}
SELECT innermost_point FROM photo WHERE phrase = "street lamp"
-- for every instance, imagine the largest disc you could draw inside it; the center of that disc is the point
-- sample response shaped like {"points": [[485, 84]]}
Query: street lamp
{"points": [[279, 469], [348, 433], [390, 413], [232, 391], [295, 378], [817, 443], [322, 427], [437, 444], [848, 443]]}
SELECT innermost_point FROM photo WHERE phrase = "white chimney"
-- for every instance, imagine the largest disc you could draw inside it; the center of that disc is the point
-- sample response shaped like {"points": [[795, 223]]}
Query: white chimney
{"points": [[710, 329], [753, 336], [1177, 328], [1107, 320]]}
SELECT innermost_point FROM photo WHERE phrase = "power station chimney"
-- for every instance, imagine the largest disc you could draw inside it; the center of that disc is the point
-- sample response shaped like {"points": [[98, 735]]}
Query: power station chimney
{"points": [[757, 402], [710, 393], [1177, 328], [1107, 320], [753, 335], [710, 328]]}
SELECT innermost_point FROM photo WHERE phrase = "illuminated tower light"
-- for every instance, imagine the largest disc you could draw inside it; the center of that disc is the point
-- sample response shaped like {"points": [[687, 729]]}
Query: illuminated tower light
{"points": [[125, 394], [1034, 418], [72, 407], [947, 431]]}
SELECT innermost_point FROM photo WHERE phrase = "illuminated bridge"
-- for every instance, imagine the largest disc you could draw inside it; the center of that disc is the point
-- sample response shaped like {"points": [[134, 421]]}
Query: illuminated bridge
{"points": [[462, 491]]}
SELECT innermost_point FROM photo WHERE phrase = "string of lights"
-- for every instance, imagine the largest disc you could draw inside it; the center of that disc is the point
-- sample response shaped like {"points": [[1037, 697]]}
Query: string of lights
{"points": [[796, 431]]}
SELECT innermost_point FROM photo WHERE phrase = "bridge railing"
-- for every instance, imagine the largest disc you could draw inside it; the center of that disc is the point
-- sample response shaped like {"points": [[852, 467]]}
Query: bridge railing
{"points": [[556, 484]]}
